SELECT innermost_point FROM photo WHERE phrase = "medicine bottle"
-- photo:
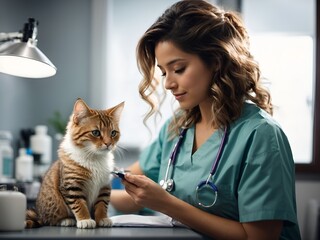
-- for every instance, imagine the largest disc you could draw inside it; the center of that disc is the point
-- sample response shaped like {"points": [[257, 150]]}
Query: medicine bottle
{"points": [[6, 156], [24, 166], [41, 143]]}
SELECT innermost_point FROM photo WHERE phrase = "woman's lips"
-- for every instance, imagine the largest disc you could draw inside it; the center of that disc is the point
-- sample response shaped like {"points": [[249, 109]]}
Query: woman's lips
{"points": [[179, 96]]}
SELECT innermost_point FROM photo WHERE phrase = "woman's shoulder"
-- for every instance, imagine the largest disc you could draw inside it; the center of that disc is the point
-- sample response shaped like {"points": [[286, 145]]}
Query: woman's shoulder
{"points": [[256, 125], [260, 137], [163, 134], [165, 125], [256, 118]]}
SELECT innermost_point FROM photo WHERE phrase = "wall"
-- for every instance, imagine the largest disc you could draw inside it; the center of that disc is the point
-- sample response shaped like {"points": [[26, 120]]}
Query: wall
{"points": [[307, 188], [125, 26], [64, 36]]}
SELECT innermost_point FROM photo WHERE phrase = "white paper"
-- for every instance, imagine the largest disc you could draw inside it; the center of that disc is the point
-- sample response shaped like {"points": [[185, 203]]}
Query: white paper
{"points": [[134, 220]]}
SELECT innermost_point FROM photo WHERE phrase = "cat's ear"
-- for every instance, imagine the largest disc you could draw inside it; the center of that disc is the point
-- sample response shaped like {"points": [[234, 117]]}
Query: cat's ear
{"points": [[116, 111], [80, 110]]}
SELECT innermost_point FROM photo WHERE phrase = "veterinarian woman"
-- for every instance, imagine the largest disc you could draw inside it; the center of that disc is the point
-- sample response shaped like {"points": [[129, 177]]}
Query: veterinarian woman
{"points": [[221, 165]]}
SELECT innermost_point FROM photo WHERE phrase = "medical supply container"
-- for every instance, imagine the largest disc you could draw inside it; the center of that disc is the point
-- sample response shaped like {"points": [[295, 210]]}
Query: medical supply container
{"points": [[41, 143], [24, 166], [6, 156]]}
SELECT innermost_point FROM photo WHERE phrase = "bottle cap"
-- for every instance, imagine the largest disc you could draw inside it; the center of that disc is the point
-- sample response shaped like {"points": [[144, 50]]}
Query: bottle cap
{"points": [[5, 135], [41, 129], [22, 152]]}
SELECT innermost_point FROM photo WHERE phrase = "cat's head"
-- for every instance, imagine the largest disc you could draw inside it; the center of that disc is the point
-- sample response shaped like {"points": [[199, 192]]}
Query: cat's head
{"points": [[94, 130]]}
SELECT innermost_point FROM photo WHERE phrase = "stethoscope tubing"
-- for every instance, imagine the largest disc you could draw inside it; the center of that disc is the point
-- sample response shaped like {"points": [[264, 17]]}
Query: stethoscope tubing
{"points": [[168, 184], [173, 156], [220, 150]]}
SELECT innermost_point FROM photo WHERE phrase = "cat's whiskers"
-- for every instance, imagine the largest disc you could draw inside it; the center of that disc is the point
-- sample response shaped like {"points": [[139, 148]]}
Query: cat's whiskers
{"points": [[119, 150]]}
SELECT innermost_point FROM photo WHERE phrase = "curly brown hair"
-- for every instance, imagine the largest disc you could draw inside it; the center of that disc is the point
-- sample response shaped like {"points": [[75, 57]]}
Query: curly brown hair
{"points": [[221, 41]]}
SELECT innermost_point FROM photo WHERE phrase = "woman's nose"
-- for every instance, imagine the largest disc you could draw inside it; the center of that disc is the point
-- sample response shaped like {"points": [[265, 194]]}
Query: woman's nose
{"points": [[170, 83]]}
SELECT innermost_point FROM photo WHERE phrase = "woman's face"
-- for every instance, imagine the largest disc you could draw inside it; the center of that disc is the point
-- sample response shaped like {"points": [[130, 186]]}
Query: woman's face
{"points": [[185, 75]]}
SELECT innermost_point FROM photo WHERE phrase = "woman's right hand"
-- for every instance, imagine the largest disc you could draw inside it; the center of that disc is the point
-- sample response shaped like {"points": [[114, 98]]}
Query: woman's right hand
{"points": [[120, 199], [145, 192]]}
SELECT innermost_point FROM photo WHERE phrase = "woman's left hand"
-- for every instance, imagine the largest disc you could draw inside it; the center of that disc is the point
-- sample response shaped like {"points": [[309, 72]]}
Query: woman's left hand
{"points": [[145, 192]]}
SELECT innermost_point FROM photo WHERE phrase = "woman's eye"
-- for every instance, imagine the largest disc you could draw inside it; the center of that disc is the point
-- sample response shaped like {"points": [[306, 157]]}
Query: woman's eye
{"points": [[113, 133], [96, 133], [180, 70]]}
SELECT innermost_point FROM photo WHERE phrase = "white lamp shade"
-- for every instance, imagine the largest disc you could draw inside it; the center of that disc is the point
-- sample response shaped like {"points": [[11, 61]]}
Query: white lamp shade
{"points": [[24, 59]]}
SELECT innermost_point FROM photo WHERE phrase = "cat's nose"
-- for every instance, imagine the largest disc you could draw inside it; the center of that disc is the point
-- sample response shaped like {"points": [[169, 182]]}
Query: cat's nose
{"points": [[108, 145]]}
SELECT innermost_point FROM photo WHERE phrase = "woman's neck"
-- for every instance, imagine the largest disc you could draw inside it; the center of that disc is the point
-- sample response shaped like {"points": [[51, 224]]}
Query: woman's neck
{"points": [[205, 127], [203, 131], [206, 114]]}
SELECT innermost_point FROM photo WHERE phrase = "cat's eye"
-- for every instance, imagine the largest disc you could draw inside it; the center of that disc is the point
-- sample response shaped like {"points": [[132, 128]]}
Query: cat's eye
{"points": [[96, 133], [113, 133]]}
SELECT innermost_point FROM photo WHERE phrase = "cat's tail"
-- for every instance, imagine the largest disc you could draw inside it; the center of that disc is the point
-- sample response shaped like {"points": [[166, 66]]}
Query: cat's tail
{"points": [[32, 219]]}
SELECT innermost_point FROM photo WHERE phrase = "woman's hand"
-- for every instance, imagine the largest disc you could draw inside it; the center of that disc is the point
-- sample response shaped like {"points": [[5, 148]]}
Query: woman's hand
{"points": [[145, 192]]}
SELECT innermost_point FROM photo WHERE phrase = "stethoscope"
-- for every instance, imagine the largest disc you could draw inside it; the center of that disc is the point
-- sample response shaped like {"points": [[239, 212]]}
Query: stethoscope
{"points": [[168, 183]]}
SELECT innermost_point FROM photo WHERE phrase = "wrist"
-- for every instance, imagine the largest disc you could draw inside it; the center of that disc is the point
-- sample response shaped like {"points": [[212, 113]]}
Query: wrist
{"points": [[169, 204]]}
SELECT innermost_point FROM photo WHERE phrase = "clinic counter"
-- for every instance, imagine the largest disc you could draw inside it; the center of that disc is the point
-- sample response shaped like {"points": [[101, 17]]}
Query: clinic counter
{"points": [[118, 233]]}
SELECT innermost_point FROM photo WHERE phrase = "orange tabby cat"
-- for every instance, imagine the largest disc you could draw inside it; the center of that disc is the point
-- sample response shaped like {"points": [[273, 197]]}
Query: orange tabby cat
{"points": [[78, 184]]}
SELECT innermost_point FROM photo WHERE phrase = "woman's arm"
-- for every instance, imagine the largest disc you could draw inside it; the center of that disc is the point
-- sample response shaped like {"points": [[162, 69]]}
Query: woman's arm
{"points": [[147, 193], [121, 200]]}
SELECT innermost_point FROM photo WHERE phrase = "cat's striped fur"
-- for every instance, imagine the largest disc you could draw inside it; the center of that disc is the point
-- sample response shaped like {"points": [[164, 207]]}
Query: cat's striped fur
{"points": [[75, 191]]}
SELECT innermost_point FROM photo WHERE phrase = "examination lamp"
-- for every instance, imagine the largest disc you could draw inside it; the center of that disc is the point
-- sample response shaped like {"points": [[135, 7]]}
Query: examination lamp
{"points": [[19, 55]]}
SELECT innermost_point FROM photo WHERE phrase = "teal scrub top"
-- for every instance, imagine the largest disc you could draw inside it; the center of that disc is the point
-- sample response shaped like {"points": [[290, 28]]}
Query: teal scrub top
{"points": [[255, 176]]}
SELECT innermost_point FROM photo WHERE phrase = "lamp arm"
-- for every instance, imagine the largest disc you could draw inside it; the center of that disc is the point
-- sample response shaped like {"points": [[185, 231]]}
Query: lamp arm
{"points": [[5, 37], [30, 31]]}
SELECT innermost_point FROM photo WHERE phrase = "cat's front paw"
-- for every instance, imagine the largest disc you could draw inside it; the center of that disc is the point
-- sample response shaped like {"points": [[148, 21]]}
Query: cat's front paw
{"points": [[105, 222], [67, 222], [87, 223]]}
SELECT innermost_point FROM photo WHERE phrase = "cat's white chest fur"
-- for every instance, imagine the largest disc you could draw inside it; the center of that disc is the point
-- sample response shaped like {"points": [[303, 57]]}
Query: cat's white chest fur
{"points": [[100, 176], [100, 165]]}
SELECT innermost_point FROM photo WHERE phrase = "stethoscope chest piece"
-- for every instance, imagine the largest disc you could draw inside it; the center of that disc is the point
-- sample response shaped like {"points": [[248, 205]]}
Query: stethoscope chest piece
{"points": [[209, 187], [167, 185]]}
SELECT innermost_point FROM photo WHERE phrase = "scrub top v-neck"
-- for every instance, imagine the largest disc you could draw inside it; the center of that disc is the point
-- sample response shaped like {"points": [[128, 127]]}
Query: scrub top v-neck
{"points": [[255, 175]]}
